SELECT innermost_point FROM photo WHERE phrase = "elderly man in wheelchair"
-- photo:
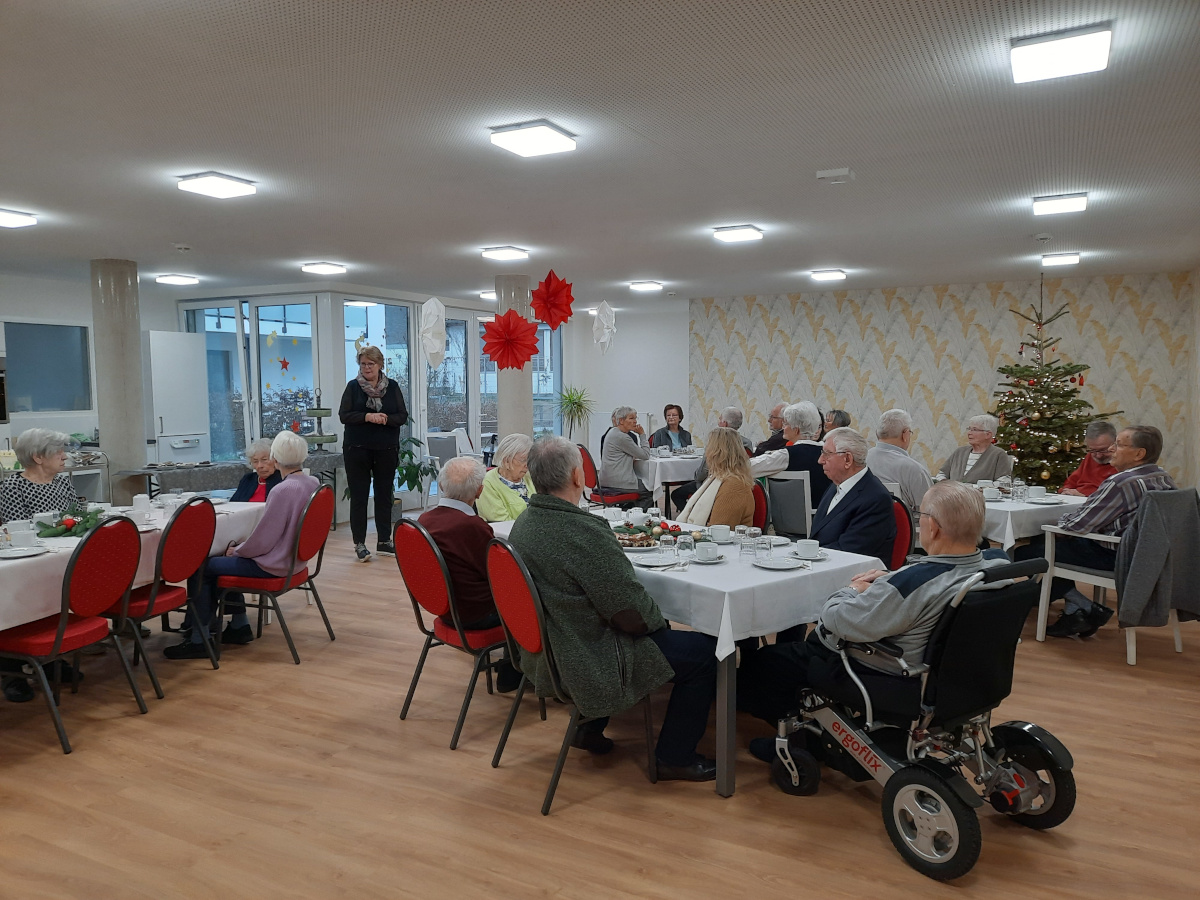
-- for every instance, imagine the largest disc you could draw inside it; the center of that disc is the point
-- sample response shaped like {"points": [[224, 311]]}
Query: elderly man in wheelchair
{"points": [[897, 683]]}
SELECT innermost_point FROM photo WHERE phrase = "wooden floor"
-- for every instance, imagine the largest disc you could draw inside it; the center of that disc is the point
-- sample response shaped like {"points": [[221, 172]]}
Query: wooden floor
{"points": [[266, 779]]}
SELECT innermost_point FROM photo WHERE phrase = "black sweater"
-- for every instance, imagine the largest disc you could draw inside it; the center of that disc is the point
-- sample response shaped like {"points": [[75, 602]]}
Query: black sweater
{"points": [[361, 433]]}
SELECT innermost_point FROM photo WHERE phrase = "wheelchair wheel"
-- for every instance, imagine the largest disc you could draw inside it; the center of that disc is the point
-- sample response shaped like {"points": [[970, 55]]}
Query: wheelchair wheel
{"points": [[1057, 790], [807, 768], [935, 831]]}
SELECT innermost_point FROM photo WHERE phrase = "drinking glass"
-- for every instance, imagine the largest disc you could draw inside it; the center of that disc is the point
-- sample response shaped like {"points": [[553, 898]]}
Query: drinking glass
{"points": [[1020, 490], [685, 548], [747, 548], [654, 512], [666, 546], [764, 549], [739, 534]]}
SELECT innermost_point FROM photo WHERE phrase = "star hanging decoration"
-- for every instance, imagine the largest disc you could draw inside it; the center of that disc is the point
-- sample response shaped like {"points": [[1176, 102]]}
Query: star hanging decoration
{"points": [[271, 338], [552, 300], [283, 364], [510, 341]]}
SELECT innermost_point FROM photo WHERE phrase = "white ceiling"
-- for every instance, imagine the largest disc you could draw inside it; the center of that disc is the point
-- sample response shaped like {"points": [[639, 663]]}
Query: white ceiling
{"points": [[365, 125]]}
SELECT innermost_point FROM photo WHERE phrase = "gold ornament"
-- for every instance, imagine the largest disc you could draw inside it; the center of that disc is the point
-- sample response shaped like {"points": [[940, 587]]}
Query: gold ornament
{"points": [[1036, 416], [1045, 474], [1053, 448]]}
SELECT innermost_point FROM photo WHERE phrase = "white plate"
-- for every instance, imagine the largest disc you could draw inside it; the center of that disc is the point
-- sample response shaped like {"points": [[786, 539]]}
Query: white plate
{"points": [[708, 562], [722, 543], [784, 562], [144, 529], [995, 499], [217, 501], [778, 541], [639, 549], [820, 557], [1046, 501], [21, 552], [655, 563]]}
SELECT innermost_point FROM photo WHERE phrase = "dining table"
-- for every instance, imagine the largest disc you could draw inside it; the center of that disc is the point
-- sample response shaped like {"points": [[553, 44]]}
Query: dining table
{"points": [[662, 473], [31, 586], [1008, 521]]}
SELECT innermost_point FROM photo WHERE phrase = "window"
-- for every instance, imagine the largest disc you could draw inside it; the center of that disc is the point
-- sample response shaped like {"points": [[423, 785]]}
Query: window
{"points": [[226, 421], [383, 325], [547, 382], [48, 367]]}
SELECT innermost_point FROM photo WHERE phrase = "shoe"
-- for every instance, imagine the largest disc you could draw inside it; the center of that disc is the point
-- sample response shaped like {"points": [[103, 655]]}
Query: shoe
{"points": [[68, 675], [237, 636], [144, 631], [703, 769], [1070, 625], [185, 650], [594, 742], [763, 748], [508, 679], [17, 690], [361, 551], [1097, 617], [385, 548]]}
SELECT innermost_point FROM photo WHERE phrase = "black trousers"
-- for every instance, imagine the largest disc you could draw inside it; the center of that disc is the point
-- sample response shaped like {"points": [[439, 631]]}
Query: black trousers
{"points": [[770, 676], [364, 466], [1072, 551]]}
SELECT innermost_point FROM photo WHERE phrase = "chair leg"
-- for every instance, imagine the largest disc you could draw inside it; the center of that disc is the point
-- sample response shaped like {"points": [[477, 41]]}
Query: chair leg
{"points": [[212, 651], [1044, 600], [572, 727], [1131, 646], [651, 756], [412, 687], [135, 629], [1173, 621], [542, 707], [462, 713], [137, 694], [508, 723], [321, 609], [75, 661], [488, 672], [56, 684], [283, 627], [52, 702]]}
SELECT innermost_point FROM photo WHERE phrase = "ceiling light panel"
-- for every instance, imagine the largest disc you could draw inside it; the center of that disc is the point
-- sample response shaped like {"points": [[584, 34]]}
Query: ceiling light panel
{"points": [[537, 138], [1062, 54], [214, 184], [487, 295], [323, 268], [828, 275], [735, 233], [1060, 259], [505, 253], [1060, 203], [10, 218], [645, 286], [177, 279]]}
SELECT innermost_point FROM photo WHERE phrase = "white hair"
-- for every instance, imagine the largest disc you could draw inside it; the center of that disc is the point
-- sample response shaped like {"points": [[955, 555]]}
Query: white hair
{"points": [[551, 462], [893, 423], [262, 445], [732, 416], [847, 440], [804, 417], [985, 421], [289, 449], [622, 412], [510, 447], [461, 478], [39, 442], [958, 509]]}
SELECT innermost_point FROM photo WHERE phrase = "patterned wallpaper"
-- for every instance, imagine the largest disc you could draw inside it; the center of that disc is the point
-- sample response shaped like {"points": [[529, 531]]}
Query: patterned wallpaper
{"points": [[934, 350]]}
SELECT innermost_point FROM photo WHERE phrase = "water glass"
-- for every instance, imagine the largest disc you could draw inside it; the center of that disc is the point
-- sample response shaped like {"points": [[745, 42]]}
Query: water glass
{"points": [[654, 512], [666, 546], [739, 534], [764, 549], [685, 548], [747, 548], [1020, 490]]}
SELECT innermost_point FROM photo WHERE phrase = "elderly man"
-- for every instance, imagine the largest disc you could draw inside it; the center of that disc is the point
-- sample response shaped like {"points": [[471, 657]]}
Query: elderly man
{"points": [[801, 426], [889, 458], [856, 512], [610, 641], [622, 446], [1110, 510], [463, 538], [903, 606], [776, 440], [729, 417], [1099, 438]]}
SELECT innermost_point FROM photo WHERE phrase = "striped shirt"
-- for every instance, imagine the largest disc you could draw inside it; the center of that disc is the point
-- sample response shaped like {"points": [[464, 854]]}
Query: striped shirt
{"points": [[1112, 508]]}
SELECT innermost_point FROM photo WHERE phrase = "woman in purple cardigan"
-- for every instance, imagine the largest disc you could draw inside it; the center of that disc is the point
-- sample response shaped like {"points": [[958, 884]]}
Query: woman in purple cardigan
{"points": [[266, 553]]}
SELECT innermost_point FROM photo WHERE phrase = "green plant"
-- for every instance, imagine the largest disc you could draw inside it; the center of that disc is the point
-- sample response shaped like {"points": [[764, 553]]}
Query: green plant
{"points": [[575, 407], [413, 471]]}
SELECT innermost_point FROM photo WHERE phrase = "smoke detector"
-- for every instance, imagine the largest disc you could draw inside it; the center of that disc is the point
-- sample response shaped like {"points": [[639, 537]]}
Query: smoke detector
{"points": [[182, 248], [835, 176], [1043, 238]]}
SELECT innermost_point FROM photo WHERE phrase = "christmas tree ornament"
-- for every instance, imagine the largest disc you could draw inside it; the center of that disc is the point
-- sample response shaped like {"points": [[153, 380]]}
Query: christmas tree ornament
{"points": [[1036, 415], [1045, 474], [1013, 446], [1053, 449], [1072, 379]]}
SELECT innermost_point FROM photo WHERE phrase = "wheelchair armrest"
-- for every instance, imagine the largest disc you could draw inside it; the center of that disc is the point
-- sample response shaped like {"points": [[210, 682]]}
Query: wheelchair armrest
{"points": [[884, 646], [1025, 569], [1091, 535]]}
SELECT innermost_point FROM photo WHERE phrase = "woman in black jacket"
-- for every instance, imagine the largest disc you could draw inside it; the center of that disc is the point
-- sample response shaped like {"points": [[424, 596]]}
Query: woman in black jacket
{"points": [[373, 412], [257, 483]]}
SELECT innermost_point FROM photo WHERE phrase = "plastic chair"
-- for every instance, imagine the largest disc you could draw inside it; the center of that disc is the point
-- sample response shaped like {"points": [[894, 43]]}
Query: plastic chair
{"points": [[761, 509], [427, 579], [98, 577], [905, 532], [597, 495], [1098, 578], [309, 543], [186, 543], [524, 619]]}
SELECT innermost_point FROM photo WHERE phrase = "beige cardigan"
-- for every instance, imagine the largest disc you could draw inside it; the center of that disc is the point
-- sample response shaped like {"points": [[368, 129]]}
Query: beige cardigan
{"points": [[992, 464]]}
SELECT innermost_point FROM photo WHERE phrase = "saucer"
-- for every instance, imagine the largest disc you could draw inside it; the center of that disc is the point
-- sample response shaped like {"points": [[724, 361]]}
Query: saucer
{"points": [[1046, 501], [781, 563], [655, 563], [708, 562], [821, 556], [22, 552]]}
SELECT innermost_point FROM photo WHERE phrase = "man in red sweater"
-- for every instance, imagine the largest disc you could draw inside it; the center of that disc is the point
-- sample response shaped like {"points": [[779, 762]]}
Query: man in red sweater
{"points": [[463, 538], [1100, 437]]}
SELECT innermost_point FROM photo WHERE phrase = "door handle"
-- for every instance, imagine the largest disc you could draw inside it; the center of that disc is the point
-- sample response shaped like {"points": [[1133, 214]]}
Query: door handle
{"points": [[161, 430]]}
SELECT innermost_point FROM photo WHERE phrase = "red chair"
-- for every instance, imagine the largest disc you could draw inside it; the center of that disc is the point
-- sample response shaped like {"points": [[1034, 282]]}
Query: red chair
{"points": [[424, 571], [905, 534], [596, 494], [524, 621], [98, 576], [760, 507], [315, 524], [186, 542]]}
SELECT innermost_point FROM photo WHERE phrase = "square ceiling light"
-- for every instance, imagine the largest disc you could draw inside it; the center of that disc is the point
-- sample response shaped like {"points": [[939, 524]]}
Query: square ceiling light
{"points": [[1058, 55], [828, 275], [323, 268], [505, 253], [214, 184], [1060, 203], [537, 138], [487, 295], [1060, 259], [645, 286], [10, 218], [177, 279], [734, 233]]}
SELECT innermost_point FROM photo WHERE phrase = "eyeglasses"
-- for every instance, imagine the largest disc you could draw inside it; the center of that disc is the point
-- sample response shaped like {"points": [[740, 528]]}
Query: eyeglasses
{"points": [[978, 430], [1102, 451], [930, 515], [825, 453]]}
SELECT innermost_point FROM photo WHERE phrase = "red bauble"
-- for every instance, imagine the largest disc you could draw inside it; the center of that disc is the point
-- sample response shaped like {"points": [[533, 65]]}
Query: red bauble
{"points": [[1012, 446], [1010, 393], [1032, 382], [1072, 379]]}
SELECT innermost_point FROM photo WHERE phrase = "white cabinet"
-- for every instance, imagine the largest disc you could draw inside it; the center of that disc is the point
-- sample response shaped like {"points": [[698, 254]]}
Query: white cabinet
{"points": [[175, 372]]}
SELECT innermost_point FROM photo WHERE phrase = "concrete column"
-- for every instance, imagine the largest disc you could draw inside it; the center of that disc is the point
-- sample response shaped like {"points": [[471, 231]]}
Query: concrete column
{"points": [[116, 329], [514, 387]]}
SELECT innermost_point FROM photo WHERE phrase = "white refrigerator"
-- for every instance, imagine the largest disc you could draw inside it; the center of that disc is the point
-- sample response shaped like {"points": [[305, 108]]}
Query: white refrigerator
{"points": [[175, 389]]}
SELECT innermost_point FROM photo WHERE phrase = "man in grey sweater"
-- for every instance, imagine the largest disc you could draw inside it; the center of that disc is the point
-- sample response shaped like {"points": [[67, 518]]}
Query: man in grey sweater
{"points": [[903, 606]]}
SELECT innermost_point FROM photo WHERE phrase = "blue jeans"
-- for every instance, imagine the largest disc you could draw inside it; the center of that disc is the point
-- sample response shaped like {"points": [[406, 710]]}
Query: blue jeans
{"points": [[203, 587]]}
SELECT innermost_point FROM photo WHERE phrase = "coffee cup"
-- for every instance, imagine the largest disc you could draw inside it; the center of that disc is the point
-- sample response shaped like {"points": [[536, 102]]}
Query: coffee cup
{"points": [[1036, 490], [808, 549], [614, 515], [719, 533], [141, 501], [637, 517], [17, 525], [23, 539], [991, 493], [707, 550], [984, 483]]}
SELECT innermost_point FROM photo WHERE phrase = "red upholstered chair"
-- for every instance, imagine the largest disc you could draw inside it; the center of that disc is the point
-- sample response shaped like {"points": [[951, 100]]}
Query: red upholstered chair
{"points": [[760, 507], [597, 495], [424, 571], [186, 542], [315, 523], [905, 535], [98, 576], [524, 621]]}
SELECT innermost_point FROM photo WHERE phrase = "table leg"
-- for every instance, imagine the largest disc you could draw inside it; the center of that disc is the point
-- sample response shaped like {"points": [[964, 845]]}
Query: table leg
{"points": [[726, 723]]}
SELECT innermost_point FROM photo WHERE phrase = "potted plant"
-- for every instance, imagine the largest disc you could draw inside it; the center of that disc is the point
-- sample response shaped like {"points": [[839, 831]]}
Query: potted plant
{"points": [[575, 407], [414, 470]]}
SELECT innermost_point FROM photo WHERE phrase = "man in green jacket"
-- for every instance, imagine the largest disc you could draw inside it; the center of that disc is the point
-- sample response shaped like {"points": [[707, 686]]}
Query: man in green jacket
{"points": [[609, 637]]}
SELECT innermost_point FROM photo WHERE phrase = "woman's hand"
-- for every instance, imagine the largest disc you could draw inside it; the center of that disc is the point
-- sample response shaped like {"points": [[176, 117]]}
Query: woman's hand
{"points": [[377, 418], [231, 550]]}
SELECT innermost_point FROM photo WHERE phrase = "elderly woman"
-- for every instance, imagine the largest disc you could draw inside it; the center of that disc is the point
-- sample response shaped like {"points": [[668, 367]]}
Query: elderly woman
{"points": [[267, 553], [981, 459], [622, 448], [256, 484], [373, 412], [835, 418], [671, 435], [727, 495], [801, 430], [507, 488], [41, 486]]}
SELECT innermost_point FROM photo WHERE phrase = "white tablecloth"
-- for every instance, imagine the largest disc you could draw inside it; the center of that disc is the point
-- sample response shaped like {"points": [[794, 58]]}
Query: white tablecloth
{"points": [[1007, 522], [658, 470], [31, 588]]}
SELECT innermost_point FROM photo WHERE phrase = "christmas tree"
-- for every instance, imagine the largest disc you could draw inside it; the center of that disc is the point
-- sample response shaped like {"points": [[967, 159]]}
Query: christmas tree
{"points": [[1042, 417]]}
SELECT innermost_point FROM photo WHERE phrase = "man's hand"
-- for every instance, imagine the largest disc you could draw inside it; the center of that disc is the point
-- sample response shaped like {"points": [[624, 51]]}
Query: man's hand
{"points": [[861, 582], [1071, 492]]}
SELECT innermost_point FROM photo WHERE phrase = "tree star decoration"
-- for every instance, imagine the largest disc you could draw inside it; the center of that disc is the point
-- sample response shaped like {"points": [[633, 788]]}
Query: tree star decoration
{"points": [[552, 300], [510, 341]]}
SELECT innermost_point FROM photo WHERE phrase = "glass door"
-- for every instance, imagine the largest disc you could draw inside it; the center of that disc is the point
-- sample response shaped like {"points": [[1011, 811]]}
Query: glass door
{"points": [[225, 342], [283, 358], [451, 390], [373, 323]]}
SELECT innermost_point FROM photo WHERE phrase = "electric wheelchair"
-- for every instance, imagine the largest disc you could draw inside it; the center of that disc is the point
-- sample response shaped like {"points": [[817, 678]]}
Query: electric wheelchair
{"points": [[927, 736]]}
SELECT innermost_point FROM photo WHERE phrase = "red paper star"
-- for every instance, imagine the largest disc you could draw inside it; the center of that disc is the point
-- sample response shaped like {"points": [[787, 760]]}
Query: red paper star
{"points": [[510, 341], [552, 300], [283, 364]]}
